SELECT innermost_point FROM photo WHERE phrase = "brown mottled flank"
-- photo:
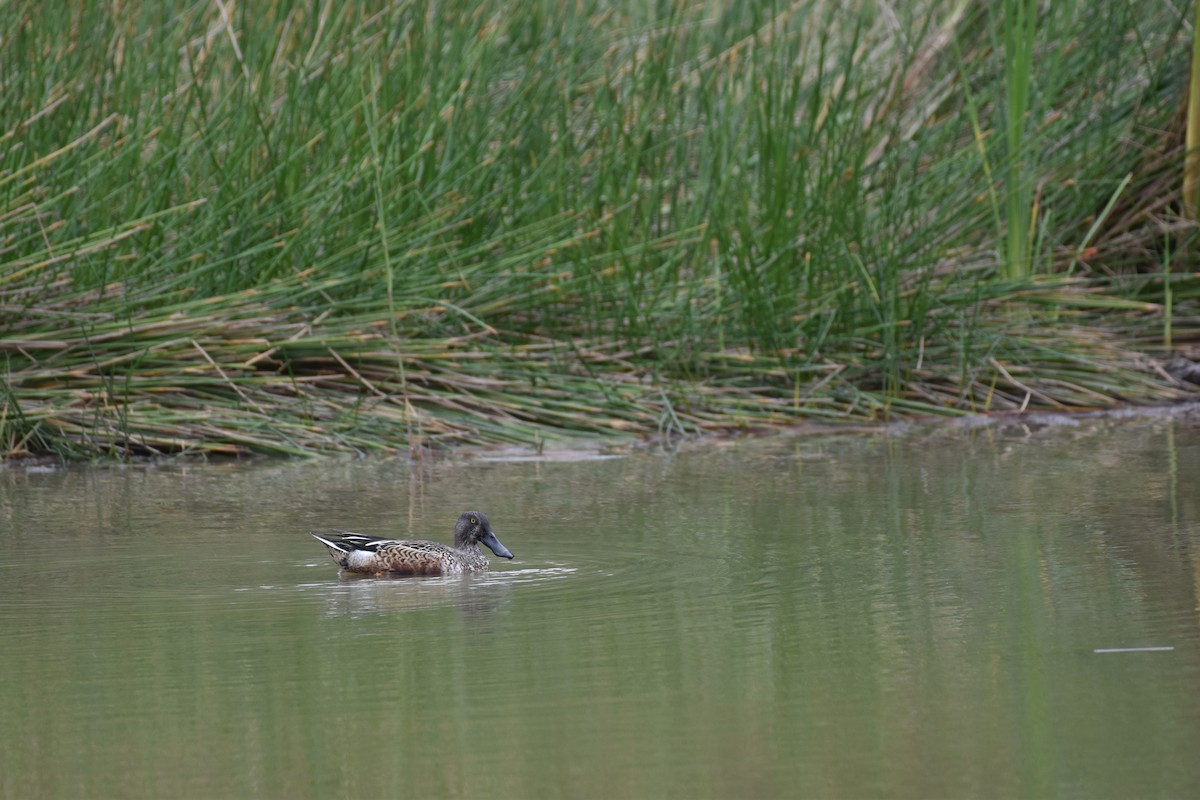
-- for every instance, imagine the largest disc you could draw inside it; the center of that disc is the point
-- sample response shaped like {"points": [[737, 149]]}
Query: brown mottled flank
{"points": [[373, 555]]}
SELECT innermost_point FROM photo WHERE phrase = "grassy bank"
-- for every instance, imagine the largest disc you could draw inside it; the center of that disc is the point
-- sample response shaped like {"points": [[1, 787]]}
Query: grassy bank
{"points": [[294, 228]]}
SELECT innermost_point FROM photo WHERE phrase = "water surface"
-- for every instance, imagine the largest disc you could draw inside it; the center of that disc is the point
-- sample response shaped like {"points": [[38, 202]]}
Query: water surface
{"points": [[844, 616]]}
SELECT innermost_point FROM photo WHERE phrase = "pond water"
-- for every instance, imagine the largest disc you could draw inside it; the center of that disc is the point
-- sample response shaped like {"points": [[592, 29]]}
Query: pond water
{"points": [[913, 615]]}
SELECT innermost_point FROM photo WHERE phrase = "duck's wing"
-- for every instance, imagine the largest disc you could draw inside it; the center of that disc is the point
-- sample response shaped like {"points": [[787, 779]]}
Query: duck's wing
{"points": [[345, 541]]}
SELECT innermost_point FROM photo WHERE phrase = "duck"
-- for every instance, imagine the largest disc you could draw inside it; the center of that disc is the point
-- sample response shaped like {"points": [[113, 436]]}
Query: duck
{"points": [[375, 555]]}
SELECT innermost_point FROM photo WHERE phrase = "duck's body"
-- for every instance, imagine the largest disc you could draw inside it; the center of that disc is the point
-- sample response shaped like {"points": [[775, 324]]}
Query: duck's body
{"points": [[374, 555]]}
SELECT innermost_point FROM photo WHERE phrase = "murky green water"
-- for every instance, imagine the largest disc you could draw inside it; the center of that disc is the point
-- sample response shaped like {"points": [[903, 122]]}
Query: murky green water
{"points": [[822, 617]]}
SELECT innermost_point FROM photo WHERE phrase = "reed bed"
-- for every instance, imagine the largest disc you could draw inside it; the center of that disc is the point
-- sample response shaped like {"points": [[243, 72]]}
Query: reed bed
{"points": [[295, 229]]}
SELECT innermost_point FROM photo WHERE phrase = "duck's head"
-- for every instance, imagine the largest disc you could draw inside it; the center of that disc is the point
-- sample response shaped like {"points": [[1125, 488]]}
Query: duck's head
{"points": [[474, 527]]}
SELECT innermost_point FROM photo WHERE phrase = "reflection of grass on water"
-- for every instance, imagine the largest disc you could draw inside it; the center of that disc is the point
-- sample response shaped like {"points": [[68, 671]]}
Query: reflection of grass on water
{"points": [[293, 228]]}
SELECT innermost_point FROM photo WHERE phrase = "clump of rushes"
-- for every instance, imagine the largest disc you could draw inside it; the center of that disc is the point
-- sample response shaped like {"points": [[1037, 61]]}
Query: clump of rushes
{"points": [[298, 228]]}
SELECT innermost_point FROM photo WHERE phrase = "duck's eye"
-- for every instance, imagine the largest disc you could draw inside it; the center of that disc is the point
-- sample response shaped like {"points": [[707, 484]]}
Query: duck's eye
{"points": [[474, 521]]}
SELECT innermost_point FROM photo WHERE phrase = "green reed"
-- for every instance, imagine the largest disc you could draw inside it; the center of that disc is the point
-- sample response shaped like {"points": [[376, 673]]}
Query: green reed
{"points": [[1020, 39], [1191, 164], [316, 227]]}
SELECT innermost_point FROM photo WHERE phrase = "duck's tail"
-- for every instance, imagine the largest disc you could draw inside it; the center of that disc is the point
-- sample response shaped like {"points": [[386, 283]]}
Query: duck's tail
{"points": [[338, 551]]}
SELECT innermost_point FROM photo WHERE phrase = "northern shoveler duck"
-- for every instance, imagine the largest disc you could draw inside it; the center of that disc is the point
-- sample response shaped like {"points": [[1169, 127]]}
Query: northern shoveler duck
{"points": [[374, 555]]}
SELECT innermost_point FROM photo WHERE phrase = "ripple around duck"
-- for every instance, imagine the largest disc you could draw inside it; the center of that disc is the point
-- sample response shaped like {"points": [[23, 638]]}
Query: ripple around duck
{"points": [[368, 596], [528, 575], [357, 595], [580, 569], [562, 575]]}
